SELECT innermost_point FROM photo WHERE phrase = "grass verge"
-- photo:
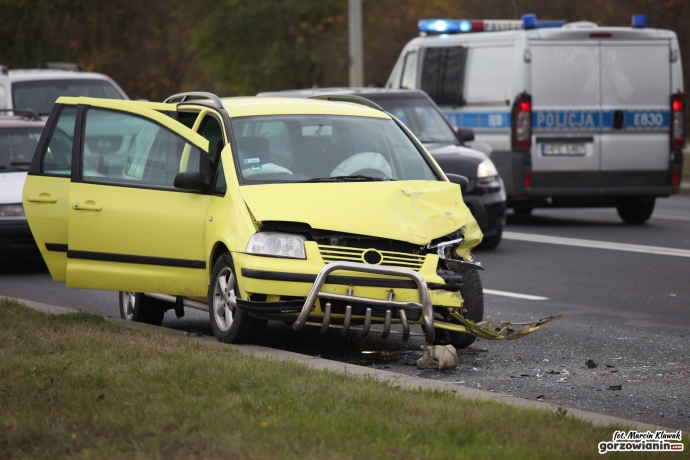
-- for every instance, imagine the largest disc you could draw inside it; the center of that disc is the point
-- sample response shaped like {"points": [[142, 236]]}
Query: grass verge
{"points": [[78, 386]]}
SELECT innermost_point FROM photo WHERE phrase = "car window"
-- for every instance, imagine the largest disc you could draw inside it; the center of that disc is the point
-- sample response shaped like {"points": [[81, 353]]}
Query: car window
{"points": [[489, 75], [409, 71], [221, 186], [57, 158], [442, 76], [3, 97], [41, 95], [17, 147], [300, 148], [211, 130], [126, 149], [420, 116]]}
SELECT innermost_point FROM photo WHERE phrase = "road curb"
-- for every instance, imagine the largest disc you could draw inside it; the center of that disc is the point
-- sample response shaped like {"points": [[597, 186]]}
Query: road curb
{"points": [[401, 380]]}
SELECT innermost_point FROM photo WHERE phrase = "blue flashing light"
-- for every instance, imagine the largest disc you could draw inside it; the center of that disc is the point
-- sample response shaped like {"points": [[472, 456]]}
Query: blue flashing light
{"points": [[639, 21], [444, 26], [529, 21]]}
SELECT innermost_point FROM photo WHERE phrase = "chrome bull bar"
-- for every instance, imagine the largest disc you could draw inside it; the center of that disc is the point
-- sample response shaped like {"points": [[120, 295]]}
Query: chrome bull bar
{"points": [[424, 303]]}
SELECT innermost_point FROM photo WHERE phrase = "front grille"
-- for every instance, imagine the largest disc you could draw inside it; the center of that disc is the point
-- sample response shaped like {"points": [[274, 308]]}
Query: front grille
{"points": [[360, 309], [394, 259]]}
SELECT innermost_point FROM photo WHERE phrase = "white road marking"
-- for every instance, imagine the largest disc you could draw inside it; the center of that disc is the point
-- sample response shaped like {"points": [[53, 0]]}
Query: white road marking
{"points": [[515, 295], [534, 238]]}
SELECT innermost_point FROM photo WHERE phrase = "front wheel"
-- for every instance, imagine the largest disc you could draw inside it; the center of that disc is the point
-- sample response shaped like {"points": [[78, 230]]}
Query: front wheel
{"points": [[229, 323], [473, 295], [635, 210], [135, 306]]}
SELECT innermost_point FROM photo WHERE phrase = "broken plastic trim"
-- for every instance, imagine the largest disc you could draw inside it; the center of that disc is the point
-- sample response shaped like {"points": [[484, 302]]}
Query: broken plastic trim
{"points": [[504, 331], [424, 304]]}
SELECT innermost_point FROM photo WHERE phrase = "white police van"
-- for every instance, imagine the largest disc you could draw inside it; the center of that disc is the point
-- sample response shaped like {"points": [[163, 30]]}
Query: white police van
{"points": [[571, 114]]}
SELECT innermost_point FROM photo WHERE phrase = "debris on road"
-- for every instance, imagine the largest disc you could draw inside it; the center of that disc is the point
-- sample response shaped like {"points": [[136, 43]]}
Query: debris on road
{"points": [[591, 364], [444, 356], [615, 387]]}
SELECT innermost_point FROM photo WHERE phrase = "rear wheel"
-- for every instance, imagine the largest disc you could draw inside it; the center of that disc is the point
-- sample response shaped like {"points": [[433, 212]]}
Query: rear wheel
{"points": [[635, 210], [137, 307], [229, 323], [491, 242], [473, 295]]}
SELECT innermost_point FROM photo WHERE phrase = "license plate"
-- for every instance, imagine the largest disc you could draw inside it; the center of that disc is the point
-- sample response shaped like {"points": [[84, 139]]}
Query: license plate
{"points": [[555, 150]]}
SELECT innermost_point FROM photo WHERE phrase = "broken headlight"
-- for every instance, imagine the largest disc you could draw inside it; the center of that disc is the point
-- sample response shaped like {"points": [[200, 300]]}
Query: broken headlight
{"points": [[277, 245]]}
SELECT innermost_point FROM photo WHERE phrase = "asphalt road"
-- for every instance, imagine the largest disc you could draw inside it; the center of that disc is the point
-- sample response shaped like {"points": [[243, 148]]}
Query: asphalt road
{"points": [[628, 310]]}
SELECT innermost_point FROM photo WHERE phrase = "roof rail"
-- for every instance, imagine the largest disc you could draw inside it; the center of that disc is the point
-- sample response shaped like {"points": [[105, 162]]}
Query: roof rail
{"points": [[64, 66], [185, 97], [348, 98], [3, 69], [26, 113]]}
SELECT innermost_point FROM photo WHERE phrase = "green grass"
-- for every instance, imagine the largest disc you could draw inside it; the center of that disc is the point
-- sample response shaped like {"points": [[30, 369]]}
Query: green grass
{"points": [[77, 386]]}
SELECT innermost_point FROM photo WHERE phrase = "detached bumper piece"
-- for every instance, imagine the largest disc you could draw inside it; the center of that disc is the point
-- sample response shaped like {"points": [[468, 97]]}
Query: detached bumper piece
{"points": [[388, 309], [504, 331]]}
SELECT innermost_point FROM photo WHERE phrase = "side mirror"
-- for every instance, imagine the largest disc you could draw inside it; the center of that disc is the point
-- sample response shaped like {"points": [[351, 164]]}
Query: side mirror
{"points": [[465, 134], [458, 179], [191, 181]]}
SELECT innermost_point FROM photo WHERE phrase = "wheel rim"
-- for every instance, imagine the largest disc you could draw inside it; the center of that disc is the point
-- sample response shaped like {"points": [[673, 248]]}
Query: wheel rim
{"points": [[224, 298], [128, 300]]}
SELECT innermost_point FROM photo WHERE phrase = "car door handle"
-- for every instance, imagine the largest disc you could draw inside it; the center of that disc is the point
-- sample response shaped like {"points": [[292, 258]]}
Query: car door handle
{"points": [[42, 198], [86, 207]]}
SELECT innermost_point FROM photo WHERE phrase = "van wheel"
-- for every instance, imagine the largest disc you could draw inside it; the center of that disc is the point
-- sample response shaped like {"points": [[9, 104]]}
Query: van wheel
{"points": [[473, 295], [135, 306], [229, 323], [635, 210]]}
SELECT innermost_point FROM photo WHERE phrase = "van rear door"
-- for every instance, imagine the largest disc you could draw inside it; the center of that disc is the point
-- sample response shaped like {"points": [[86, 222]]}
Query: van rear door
{"points": [[636, 98], [566, 100]]}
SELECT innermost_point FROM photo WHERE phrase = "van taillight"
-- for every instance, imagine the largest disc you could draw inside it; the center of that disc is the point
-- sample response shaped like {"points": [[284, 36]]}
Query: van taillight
{"points": [[677, 121], [522, 122]]}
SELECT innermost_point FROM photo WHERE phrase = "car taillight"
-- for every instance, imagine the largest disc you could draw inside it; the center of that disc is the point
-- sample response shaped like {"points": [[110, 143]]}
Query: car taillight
{"points": [[675, 178], [522, 122], [677, 121], [527, 179]]}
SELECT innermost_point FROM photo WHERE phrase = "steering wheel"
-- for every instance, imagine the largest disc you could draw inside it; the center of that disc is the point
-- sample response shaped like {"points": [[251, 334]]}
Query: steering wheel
{"points": [[370, 172]]}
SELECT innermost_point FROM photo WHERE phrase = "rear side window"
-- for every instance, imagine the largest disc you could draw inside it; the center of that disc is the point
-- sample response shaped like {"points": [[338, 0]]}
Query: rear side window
{"points": [[489, 75], [443, 74], [57, 159], [129, 150]]}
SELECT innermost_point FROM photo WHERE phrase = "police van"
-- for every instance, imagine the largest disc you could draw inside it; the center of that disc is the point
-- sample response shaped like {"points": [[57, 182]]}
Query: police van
{"points": [[571, 114]]}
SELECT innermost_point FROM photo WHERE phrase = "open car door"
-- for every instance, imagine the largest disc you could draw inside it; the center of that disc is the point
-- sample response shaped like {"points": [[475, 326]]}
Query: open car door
{"points": [[130, 228]]}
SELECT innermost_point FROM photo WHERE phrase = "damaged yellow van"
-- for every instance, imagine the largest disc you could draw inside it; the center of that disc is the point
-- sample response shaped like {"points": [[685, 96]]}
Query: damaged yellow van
{"points": [[312, 212]]}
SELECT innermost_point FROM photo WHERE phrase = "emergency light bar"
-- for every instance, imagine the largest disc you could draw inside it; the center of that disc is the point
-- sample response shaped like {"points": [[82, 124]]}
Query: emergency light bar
{"points": [[454, 26]]}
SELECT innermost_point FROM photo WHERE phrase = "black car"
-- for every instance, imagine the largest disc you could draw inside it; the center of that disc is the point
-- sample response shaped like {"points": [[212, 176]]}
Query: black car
{"points": [[485, 195]]}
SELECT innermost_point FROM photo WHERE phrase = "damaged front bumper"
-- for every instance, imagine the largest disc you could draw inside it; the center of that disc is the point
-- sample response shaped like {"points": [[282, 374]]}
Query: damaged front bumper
{"points": [[368, 310]]}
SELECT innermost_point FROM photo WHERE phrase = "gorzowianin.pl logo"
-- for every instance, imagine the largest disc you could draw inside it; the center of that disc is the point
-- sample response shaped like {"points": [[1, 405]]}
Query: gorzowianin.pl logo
{"points": [[661, 441]]}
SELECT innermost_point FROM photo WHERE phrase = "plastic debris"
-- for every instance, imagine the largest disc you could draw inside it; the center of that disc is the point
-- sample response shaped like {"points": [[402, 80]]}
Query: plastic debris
{"points": [[591, 364], [444, 356], [615, 387]]}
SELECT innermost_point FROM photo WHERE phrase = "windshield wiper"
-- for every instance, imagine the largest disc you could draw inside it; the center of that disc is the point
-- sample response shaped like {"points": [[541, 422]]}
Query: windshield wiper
{"points": [[354, 178]]}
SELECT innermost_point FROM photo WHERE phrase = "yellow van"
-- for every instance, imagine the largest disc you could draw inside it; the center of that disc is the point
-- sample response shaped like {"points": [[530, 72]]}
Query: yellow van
{"points": [[311, 212]]}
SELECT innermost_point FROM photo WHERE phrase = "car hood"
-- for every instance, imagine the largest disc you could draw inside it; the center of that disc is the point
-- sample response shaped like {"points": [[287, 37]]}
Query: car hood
{"points": [[412, 211], [11, 185], [456, 159]]}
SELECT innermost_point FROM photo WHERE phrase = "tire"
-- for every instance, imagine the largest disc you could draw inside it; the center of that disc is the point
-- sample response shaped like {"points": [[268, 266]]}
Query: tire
{"points": [[635, 210], [522, 209], [492, 242], [141, 309], [473, 294], [229, 323]]}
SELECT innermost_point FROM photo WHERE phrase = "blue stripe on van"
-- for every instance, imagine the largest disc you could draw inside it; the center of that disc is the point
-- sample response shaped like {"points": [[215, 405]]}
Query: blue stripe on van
{"points": [[491, 120], [566, 120]]}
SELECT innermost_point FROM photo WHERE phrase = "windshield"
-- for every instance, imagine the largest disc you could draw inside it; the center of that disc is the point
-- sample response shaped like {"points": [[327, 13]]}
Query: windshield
{"points": [[422, 118], [41, 95], [313, 148], [17, 148]]}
